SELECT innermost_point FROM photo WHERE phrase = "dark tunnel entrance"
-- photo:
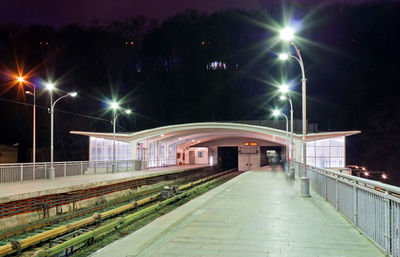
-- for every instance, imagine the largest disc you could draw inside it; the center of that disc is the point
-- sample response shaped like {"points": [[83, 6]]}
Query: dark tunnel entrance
{"points": [[270, 155], [227, 158]]}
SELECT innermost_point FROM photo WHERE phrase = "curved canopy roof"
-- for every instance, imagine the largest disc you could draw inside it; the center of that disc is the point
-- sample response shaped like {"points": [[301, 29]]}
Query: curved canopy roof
{"points": [[206, 131]]}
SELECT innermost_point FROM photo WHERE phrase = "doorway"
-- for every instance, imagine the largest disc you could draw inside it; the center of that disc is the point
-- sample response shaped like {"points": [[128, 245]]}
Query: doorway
{"points": [[227, 158]]}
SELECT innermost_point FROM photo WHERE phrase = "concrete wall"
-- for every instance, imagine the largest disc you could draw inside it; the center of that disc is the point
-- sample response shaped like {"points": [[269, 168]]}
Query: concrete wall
{"points": [[198, 160]]}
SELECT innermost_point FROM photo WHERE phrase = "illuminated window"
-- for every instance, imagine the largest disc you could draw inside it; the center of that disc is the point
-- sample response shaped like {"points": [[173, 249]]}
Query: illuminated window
{"points": [[326, 153], [102, 150]]}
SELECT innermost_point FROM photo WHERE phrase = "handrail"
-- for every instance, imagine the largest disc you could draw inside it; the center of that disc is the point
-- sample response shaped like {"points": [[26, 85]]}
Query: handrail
{"points": [[59, 162], [374, 183]]}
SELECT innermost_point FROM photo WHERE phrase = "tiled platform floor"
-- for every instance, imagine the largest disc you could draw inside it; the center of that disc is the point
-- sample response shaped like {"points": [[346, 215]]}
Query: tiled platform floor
{"points": [[257, 214]]}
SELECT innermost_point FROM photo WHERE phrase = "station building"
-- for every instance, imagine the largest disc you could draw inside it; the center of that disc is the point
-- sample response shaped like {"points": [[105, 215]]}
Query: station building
{"points": [[226, 144]]}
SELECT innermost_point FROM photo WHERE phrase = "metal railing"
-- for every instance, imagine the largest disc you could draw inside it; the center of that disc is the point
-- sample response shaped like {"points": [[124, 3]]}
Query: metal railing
{"points": [[161, 162], [27, 171], [372, 206]]}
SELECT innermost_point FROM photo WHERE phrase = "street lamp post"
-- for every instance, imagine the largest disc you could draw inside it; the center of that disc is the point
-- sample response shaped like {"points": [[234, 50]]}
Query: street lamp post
{"points": [[283, 97], [22, 80], [50, 87], [114, 106], [34, 128], [287, 34], [276, 113]]}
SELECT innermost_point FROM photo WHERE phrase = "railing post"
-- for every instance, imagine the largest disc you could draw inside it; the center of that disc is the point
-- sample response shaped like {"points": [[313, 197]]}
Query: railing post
{"points": [[326, 186], [33, 172], [81, 167], [45, 171], [337, 193], [387, 223], [94, 167], [65, 169], [22, 172], [355, 205]]}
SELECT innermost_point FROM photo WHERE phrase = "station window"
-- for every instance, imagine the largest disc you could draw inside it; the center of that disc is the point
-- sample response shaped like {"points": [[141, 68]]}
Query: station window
{"points": [[327, 153], [102, 150], [200, 154]]}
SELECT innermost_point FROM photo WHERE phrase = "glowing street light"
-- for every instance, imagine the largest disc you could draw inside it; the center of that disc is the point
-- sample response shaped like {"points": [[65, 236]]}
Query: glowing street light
{"points": [[284, 88], [277, 113], [114, 106], [283, 56], [21, 79], [50, 87], [287, 34]]}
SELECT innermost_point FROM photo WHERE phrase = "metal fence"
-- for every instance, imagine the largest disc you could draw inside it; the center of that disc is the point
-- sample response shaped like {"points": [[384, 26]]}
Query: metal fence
{"points": [[161, 162], [27, 171], [372, 206]]}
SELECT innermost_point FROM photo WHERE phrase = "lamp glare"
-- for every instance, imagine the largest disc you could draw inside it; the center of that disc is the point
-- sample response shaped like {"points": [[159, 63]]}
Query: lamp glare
{"points": [[50, 86], [284, 88], [276, 113], [287, 34], [114, 105], [283, 56]]}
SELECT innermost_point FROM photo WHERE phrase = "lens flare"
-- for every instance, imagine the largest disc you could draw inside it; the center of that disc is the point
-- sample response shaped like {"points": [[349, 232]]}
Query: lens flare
{"points": [[276, 113], [286, 34]]}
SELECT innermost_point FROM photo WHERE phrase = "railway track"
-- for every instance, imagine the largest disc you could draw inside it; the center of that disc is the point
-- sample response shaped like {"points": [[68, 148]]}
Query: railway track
{"points": [[45, 202], [82, 230]]}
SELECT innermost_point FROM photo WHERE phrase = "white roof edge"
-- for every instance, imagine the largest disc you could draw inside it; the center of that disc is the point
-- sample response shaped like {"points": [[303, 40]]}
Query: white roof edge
{"points": [[216, 125]]}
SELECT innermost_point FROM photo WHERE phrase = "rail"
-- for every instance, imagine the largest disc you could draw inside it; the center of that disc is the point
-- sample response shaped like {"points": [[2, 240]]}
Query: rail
{"points": [[14, 172], [373, 207], [98, 217]]}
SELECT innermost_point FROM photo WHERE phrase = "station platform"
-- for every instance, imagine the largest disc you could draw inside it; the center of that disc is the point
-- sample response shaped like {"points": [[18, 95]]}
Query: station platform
{"points": [[28, 189], [257, 214]]}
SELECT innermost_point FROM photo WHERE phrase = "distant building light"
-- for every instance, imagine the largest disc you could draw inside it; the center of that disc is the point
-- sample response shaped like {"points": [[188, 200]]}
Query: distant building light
{"points": [[216, 65]]}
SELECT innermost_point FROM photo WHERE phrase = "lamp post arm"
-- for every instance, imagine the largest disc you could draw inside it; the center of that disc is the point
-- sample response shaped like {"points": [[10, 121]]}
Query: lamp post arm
{"points": [[299, 59], [116, 117], [290, 101], [52, 106]]}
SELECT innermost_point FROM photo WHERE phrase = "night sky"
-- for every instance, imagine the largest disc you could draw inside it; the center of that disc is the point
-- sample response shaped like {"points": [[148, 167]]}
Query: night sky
{"points": [[59, 13], [159, 69]]}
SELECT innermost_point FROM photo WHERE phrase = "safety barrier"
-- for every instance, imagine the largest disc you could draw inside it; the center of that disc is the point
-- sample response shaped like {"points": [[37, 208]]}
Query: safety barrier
{"points": [[28, 171], [372, 206], [161, 162]]}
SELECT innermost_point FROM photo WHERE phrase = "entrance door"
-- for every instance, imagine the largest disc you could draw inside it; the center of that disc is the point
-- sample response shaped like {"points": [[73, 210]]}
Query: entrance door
{"points": [[192, 157], [249, 158]]}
